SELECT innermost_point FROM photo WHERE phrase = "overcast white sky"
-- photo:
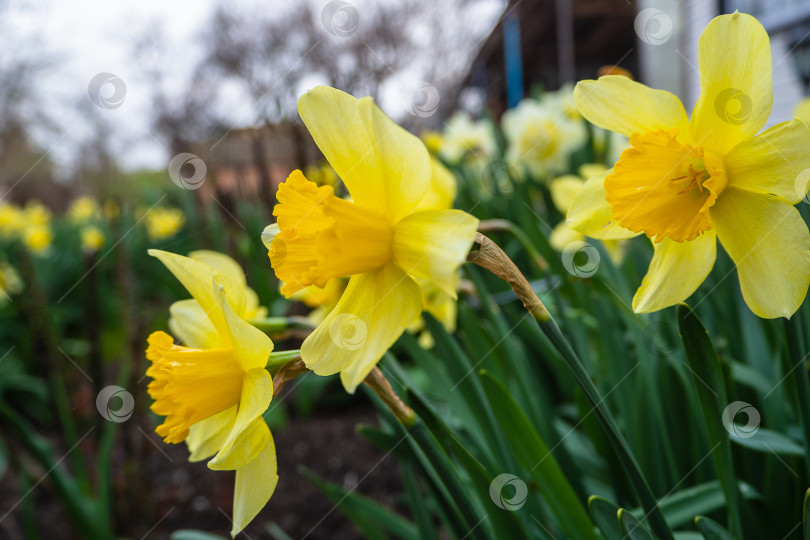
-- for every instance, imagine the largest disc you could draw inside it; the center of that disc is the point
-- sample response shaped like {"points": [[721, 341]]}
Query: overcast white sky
{"points": [[88, 37]]}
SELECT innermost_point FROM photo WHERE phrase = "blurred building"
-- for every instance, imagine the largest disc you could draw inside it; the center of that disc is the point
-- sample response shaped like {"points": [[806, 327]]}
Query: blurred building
{"points": [[546, 43]]}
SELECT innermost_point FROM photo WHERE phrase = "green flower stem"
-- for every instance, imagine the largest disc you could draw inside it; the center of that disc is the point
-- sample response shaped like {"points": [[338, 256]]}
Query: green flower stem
{"points": [[277, 359], [797, 346], [279, 325], [492, 258]]}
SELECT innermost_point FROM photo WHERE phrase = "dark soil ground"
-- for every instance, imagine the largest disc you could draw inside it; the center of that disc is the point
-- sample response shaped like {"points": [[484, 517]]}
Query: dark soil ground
{"points": [[157, 491]]}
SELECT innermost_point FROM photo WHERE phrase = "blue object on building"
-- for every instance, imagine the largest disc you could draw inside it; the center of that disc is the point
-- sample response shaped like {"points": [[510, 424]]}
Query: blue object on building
{"points": [[513, 62]]}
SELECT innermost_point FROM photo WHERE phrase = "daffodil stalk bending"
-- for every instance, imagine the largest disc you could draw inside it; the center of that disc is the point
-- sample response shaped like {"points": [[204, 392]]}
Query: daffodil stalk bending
{"points": [[382, 239], [689, 183], [214, 389]]}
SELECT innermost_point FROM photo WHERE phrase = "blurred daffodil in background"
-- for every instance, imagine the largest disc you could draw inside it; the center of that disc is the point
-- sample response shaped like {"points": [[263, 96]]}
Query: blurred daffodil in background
{"points": [[564, 190], [10, 282], [214, 389], [382, 240], [92, 239], [687, 183], [465, 139], [162, 223], [541, 135], [83, 210]]}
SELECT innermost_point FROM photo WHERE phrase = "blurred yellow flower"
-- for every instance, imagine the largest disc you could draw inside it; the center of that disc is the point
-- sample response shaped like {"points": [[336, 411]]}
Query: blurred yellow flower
{"points": [[381, 239], [38, 238], [10, 282], [564, 191], [323, 174], [214, 391], [541, 137], [322, 300], [433, 141], [12, 220], [111, 210], [687, 183], [83, 209], [35, 213], [92, 239], [465, 139], [163, 222]]}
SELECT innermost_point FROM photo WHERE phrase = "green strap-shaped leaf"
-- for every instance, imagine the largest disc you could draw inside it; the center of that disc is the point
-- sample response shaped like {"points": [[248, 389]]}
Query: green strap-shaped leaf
{"points": [[633, 529], [537, 460], [604, 514], [805, 520], [766, 441], [711, 530], [711, 390]]}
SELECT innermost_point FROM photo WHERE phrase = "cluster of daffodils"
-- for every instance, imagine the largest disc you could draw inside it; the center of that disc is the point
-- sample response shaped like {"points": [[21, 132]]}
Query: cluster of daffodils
{"points": [[371, 263], [86, 214], [31, 224]]}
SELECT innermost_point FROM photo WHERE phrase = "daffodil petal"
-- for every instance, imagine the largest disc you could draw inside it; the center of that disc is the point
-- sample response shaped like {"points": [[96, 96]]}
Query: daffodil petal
{"points": [[562, 236], [190, 324], [432, 244], [372, 313], [251, 346], [776, 162], [383, 166], [196, 278], [220, 263], [563, 189], [736, 91], [590, 214], [249, 433], [255, 483], [442, 189], [206, 437], [768, 241], [676, 271], [616, 103]]}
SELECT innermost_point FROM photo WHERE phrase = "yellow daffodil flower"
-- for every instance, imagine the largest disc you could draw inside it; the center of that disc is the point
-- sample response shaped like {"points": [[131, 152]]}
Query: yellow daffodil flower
{"points": [[92, 239], [564, 190], [187, 317], [541, 137], [381, 239], [433, 141], [163, 222], [84, 209], [214, 390], [36, 213], [38, 238], [323, 174], [802, 110], [687, 183]]}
